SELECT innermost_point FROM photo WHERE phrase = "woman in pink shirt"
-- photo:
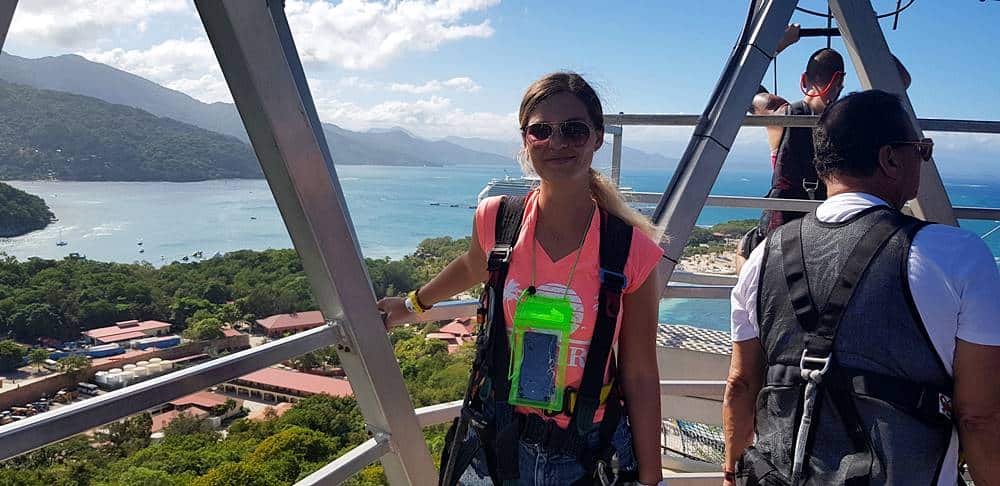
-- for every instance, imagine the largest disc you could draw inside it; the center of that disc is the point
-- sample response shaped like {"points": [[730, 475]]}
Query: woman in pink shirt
{"points": [[557, 255]]}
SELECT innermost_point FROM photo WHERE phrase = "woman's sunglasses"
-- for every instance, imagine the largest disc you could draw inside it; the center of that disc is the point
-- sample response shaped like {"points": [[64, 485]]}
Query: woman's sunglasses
{"points": [[925, 146], [574, 132]]}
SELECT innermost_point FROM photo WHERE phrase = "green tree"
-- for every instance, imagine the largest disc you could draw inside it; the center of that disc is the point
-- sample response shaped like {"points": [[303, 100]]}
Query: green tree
{"points": [[11, 355], [187, 425], [76, 366], [37, 357], [204, 330], [147, 477], [239, 474], [36, 320], [129, 435]]}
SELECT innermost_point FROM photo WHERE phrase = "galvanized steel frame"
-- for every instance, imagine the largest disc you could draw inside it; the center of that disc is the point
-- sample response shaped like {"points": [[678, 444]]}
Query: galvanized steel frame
{"points": [[671, 120], [255, 49], [686, 194], [7, 8], [860, 30]]}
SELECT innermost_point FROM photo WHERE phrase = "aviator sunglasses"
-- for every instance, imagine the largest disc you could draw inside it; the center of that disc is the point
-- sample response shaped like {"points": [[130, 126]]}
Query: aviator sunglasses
{"points": [[574, 132], [925, 146]]}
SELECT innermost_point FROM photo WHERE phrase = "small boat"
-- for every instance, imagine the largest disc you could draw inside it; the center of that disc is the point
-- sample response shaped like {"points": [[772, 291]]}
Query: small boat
{"points": [[61, 241], [435, 204], [253, 218], [453, 205]]}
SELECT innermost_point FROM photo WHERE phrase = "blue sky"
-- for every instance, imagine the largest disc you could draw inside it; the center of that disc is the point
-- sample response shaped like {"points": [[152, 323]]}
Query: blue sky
{"points": [[459, 67]]}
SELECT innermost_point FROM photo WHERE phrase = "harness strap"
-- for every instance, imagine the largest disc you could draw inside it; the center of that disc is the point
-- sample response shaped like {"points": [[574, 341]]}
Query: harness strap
{"points": [[616, 240], [821, 330], [505, 447]]}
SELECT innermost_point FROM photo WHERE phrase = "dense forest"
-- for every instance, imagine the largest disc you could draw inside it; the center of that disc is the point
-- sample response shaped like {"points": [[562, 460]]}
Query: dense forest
{"points": [[21, 213], [61, 298], [54, 135]]}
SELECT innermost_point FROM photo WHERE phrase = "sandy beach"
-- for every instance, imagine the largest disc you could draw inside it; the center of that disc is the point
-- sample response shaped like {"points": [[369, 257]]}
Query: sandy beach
{"points": [[720, 263]]}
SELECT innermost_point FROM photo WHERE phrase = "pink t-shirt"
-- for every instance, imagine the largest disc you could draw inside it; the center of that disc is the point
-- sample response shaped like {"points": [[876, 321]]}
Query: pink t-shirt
{"points": [[551, 277]]}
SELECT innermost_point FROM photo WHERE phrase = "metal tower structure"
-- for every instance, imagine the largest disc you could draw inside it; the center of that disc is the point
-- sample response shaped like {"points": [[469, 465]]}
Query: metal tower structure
{"points": [[257, 54]]}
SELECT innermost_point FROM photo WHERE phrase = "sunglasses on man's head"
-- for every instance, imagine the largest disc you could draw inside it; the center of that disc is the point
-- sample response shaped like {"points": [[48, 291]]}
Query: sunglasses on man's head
{"points": [[925, 146], [575, 132]]}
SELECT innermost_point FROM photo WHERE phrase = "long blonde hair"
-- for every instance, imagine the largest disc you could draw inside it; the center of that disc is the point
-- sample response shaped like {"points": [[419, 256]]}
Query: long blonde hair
{"points": [[603, 189]]}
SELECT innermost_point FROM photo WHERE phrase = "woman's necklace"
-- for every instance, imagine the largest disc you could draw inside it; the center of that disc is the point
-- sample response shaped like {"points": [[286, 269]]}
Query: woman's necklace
{"points": [[572, 269]]}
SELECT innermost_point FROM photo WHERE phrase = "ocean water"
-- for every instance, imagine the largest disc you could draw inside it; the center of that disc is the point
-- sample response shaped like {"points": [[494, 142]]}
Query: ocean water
{"points": [[391, 208]]}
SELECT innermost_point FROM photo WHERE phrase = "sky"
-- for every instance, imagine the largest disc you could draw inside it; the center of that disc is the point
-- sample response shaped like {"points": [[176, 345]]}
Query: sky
{"points": [[459, 67]]}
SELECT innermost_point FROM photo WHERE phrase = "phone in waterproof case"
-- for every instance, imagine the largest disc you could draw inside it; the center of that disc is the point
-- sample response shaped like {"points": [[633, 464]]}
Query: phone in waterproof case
{"points": [[540, 344]]}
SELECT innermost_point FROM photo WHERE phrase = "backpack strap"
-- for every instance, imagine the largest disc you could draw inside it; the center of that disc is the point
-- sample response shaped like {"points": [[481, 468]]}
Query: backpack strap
{"points": [[616, 240]]}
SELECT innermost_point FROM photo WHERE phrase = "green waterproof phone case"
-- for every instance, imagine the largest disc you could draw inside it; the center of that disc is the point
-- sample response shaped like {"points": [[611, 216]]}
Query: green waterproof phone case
{"points": [[542, 326]]}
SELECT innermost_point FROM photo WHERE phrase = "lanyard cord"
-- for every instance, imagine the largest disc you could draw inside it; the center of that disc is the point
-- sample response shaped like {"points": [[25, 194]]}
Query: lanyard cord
{"points": [[572, 270]]}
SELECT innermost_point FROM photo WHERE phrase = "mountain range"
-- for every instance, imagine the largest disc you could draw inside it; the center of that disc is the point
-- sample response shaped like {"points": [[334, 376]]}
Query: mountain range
{"points": [[389, 146]]}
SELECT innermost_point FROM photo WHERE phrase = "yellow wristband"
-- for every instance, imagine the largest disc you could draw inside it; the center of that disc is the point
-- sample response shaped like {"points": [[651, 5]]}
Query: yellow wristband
{"points": [[411, 298]]}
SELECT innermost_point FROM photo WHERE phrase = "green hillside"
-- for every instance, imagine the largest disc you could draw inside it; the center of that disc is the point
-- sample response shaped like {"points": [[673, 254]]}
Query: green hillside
{"points": [[54, 135], [21, 213]]}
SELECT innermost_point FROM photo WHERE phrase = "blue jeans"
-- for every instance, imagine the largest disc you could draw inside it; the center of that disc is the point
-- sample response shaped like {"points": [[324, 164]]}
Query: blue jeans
{"points": [[539, 467]]}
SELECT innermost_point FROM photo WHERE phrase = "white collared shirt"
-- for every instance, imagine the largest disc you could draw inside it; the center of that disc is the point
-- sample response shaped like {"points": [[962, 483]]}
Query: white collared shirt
{"points": [[953, 279]]}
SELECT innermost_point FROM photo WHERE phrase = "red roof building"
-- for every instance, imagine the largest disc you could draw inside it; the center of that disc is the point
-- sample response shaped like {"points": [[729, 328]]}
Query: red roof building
{"points": [[128, 330], [160, 421], [463, 326], [203, 399], [276, 384], [281, 324]]}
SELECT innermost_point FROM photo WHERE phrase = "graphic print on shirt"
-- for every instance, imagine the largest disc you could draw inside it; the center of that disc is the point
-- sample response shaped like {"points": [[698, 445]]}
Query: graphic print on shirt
{"points": [[577, 355]]}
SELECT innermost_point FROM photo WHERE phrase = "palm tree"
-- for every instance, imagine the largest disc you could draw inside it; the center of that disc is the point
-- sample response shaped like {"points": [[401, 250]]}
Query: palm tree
{"points": [[37, 357]]}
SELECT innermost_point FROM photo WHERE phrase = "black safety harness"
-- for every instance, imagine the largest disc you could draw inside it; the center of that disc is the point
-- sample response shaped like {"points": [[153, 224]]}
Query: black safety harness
{"points": [[497, 428], [818, 372]]}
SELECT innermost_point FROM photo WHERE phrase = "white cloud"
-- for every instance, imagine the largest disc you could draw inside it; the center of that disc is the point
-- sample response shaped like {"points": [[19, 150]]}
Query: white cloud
{"points": [[73, 23], [461, 84], [184, 65], [432, 117], [358, 34]]}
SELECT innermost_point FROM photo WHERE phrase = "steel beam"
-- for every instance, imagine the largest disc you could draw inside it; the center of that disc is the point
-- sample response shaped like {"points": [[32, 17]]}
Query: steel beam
{"points": [[349, 464], [6, 15], [929, 124], [616, 159], [255, 49], [685, 195], [868, 49], [39, 430]]}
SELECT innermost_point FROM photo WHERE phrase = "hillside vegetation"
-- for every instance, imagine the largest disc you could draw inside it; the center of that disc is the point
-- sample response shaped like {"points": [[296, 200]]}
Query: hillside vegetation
{"points": [[53, 135], [21, 213]]}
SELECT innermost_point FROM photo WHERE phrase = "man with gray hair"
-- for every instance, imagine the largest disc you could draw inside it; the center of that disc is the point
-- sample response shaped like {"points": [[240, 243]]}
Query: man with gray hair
{"points": [[866, 343]]}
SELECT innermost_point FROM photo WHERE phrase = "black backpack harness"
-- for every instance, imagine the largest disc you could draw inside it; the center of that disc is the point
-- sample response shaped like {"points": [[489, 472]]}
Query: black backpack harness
{"points": [[498, 429], [818, 372]]}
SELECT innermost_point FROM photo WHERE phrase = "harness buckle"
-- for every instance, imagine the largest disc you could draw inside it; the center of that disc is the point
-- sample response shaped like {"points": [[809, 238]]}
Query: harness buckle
{"points": [[499, 255], [813, 368], [613, 280], [810, 187], [605, 473]]}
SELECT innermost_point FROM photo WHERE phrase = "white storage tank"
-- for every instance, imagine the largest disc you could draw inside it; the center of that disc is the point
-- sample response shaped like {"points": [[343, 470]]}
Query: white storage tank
{"points": [[115, 370], [140, 371], [101, 377], [154, 368], [142, 363], [114, 379], [167, 365], [129, 367], [155, 360], [128, 377]]}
